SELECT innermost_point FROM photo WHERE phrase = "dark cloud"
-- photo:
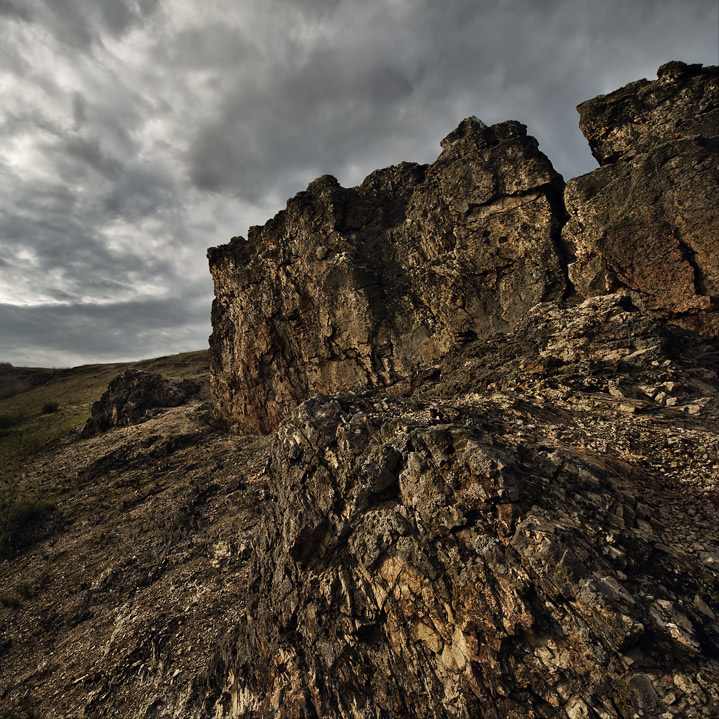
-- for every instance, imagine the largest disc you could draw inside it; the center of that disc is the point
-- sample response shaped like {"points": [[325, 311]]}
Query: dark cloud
{"points": [[68, 334], [14, 10], [120, 16], [388, 78], [80, 25], [135, 133], [79, 105]]}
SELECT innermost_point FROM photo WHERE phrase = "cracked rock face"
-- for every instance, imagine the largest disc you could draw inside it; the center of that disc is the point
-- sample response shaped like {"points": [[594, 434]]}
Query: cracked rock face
{"points": [[473, 549], [362, 285], [647, 221]]}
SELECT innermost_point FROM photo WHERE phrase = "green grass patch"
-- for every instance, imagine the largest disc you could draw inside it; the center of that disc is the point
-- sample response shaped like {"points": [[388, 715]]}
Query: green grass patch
{"points": [[177, 366]]}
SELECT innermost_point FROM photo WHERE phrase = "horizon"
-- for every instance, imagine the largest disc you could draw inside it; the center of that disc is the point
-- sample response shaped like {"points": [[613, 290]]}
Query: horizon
{"points": [[138, 133]]}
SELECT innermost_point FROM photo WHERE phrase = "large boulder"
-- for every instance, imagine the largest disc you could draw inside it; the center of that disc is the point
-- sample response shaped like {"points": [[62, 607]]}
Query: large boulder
{"points": [[360, 286], [132, 396], [647, 221]]}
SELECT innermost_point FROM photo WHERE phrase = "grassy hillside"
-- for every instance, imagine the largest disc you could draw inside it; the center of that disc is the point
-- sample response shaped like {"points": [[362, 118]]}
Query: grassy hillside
{"points": [[51, 405], [61, 402]]}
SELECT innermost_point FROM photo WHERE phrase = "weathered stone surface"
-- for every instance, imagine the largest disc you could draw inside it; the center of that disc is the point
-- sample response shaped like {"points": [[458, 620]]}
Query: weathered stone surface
{"points": [[471, 550], [527, 528], [682, 102], [131, 397], [647, 221], [360, 286], [519, 525]]}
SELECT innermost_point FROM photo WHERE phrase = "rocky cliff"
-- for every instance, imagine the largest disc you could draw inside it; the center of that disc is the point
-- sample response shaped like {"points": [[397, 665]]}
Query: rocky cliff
{"points": [[647, 221], [363, 285], [482, 507]]}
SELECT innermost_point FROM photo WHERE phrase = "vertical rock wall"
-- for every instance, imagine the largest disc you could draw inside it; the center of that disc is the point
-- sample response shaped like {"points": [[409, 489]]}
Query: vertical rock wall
{"points": [[348, 287], [360, 286]]}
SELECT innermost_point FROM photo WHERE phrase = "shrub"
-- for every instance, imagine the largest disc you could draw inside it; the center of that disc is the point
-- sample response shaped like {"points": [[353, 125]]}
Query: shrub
{"points": [[8, 420], [10, 601], [50, 407], [26, 591], [23, 519]]}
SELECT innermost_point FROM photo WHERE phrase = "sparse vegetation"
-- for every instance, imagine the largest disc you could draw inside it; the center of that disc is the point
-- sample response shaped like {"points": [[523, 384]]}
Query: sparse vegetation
{"points": [[29, 426], [11, 601], [22, 518], [8, 420]]}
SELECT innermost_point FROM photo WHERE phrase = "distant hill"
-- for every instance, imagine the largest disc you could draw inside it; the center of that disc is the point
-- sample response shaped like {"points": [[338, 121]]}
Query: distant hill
{"points": [[38, 406]]}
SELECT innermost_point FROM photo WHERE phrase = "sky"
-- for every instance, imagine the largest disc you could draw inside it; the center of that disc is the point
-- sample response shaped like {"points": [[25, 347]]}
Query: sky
{"points": [[134, 134]]}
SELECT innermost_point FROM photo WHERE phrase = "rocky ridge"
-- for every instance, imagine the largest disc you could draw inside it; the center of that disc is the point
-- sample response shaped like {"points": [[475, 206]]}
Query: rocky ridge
{"points": [[507, 526], [363, 285], [646, 221]]}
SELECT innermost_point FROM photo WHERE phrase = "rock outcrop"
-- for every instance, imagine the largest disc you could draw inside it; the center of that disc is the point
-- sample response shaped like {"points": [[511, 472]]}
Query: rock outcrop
{"points": [[500, 543], [493, 485], [505, 530], [360, 286], [647, 221], [132, 396], [363, 285]]}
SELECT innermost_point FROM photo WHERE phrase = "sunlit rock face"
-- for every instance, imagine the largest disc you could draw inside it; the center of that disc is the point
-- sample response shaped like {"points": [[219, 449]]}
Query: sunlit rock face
{"points": [[647, 221], [509, 539], [360, 286]]}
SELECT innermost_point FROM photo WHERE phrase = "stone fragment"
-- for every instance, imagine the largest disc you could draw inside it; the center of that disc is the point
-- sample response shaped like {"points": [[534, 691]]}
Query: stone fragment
{"points": [[643, 693]]}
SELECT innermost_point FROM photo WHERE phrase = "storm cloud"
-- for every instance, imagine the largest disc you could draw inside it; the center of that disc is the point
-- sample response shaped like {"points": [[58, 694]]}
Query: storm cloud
{"points": [[136, 133]]}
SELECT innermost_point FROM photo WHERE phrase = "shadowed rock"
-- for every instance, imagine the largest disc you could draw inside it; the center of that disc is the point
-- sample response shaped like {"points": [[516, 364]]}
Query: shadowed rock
{"points": [[447, 548], [132, 395], [360, 286], [647, 221]]}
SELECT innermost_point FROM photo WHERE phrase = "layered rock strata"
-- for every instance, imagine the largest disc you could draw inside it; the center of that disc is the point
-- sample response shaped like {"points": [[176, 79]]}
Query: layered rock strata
{"points": [[517, 515], [361, 286], [647, 221]]}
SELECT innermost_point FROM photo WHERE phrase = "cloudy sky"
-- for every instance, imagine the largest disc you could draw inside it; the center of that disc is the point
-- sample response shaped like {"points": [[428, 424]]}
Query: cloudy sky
{"points": [[136, 133]]}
